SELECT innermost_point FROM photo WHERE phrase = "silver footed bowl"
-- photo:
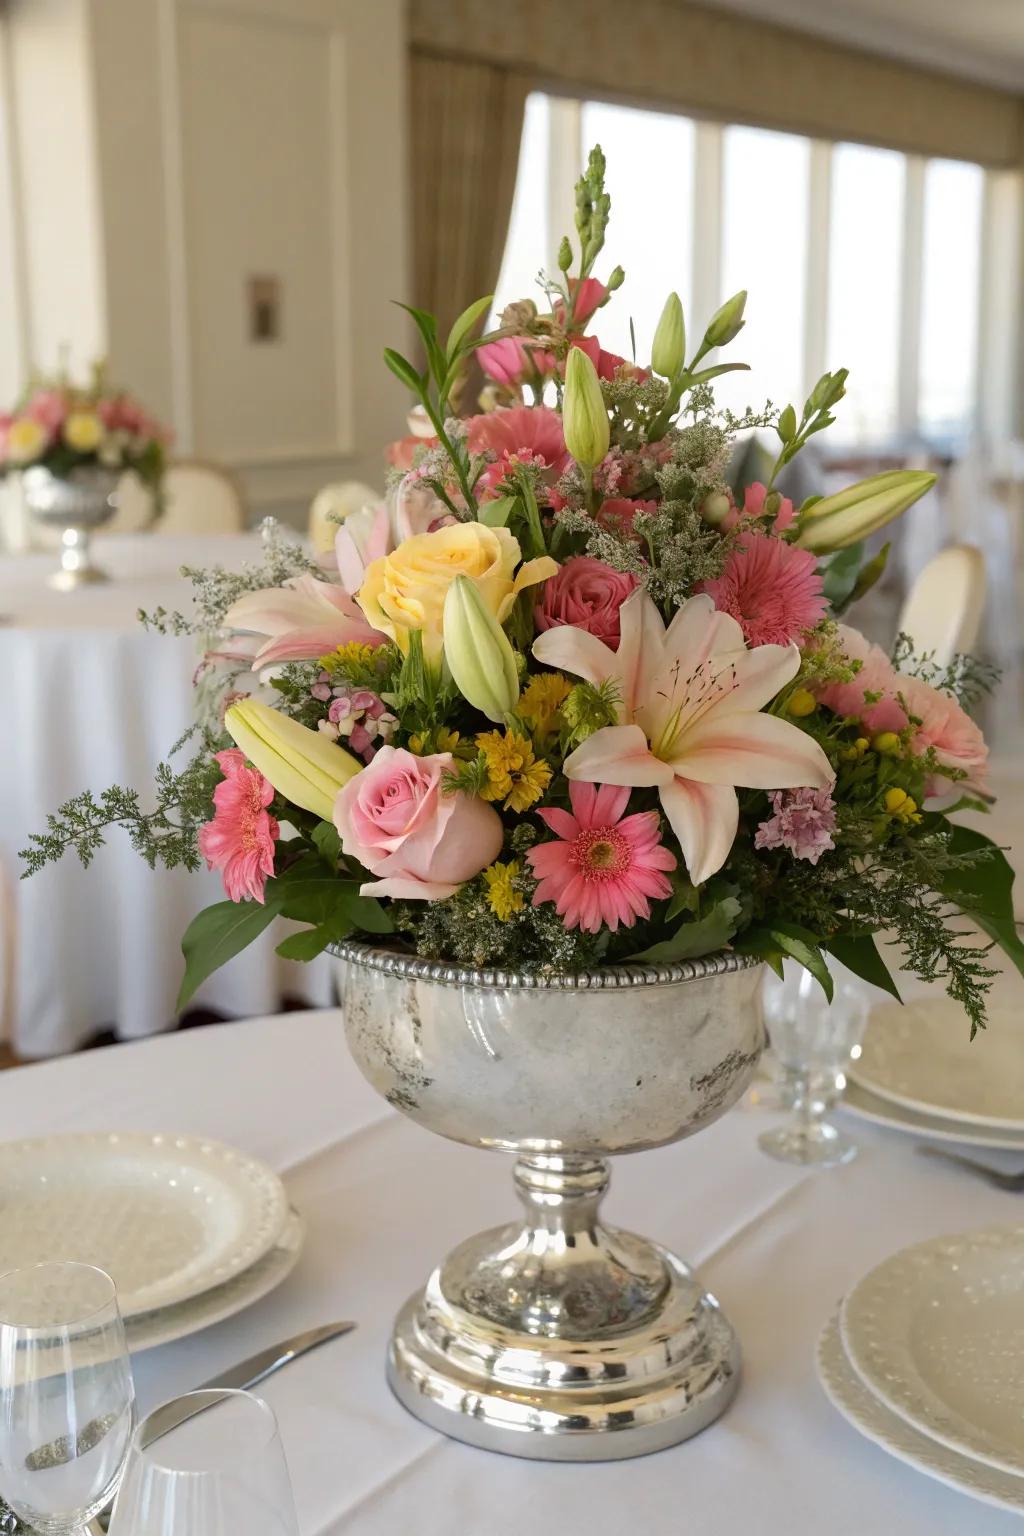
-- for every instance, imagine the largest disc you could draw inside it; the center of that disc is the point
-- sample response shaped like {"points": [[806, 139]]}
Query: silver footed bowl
{"points": [[75, 504], [556, 1337]]}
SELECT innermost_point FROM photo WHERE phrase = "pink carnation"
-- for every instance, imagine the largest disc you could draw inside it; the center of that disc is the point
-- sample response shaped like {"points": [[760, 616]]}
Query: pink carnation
{"points": [[754, 498], [956, 739], [240, 839], [877, 675], [802, 820], [511, 361], [771, 588], [603, 870], [587, 594]]}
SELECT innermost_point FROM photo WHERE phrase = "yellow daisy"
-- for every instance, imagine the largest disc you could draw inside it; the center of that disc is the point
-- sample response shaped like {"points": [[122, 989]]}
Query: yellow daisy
{"points": [[502, 896], [542, 698], [514, 774]]}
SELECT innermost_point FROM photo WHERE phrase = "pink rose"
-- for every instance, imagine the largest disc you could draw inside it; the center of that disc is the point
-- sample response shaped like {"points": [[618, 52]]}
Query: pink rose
{"points": [[587, 594], [49, 408], [877, 675], [512, 360], [421, 843], [957, 740]]}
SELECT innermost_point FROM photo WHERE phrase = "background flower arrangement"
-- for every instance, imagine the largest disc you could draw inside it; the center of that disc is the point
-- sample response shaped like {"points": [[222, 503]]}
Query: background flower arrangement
{"points": [[561, 701], [61, 426]]}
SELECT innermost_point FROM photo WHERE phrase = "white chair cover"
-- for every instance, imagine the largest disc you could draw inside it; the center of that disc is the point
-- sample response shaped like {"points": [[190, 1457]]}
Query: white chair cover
{"points": [[200, 498], [943, 609]]}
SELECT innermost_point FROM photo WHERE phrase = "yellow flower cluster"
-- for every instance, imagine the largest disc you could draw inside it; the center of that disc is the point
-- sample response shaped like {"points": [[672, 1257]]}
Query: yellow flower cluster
{"points": [[514, 774], [860, 746], [801, 703], [502, 896], [902, 807], [541, 700], [349, 657], [440, 739]]}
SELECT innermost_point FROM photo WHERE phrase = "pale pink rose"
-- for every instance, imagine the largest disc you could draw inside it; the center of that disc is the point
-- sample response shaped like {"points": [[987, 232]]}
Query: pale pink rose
{"points": [[957, 740], [754, 498], [877, 675], [513, 361], [421, 843], [587, 594], [49, 407]]}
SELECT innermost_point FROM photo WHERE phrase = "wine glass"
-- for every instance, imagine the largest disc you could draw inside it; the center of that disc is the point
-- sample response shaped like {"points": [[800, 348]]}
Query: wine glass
{"points": [[813, 1042], [67, 1401], [210, 1463]]}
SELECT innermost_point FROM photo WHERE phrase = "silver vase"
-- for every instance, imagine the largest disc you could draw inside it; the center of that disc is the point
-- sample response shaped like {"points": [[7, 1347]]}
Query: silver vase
{"points": [[557, 1337], [76, 503]]}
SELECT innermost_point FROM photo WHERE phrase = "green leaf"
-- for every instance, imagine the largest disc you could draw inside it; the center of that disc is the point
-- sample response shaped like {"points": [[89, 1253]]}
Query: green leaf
{"points": [[984, 891], [427, 327], [713, 372], [404, 371], [859, 953], [497, 513], [685, 898], [219, 933], [465, 323], [870, 573], [773, 941], [328, 843], [693, 939], [841, 571], [310, 942]]}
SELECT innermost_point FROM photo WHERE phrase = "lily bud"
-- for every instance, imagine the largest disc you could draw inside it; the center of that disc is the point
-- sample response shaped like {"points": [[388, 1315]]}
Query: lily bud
{"points": [[585, 424], [302, 765], [861, 509], [478, 653], [726, 322], [669, 349]]}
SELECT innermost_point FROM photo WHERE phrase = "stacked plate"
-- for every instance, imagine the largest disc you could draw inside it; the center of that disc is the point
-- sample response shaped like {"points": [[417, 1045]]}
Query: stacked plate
{"points": [[924, 1357], [191, 1231], [920, 1072]]}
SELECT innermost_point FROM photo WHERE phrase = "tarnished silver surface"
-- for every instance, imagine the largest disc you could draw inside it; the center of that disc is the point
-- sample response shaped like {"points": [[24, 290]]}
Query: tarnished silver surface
{"points": [[559, 1338], [76, 503]]}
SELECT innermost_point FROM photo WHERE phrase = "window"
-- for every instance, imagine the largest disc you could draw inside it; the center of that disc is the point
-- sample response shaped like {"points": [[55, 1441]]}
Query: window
{"points": [[826, 257]]}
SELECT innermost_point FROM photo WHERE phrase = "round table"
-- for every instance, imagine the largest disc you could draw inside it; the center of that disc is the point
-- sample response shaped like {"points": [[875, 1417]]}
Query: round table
{"points": [[384, 1200], [91, 699]]}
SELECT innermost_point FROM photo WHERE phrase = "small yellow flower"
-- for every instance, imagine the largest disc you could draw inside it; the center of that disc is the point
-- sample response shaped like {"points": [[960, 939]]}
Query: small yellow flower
{"points": [[902, 806], [861, 745], [514, 775], [887, 743], [801, 703], [542, 698], [26, 439], [349, 657], [83, 431], [894, 799], [502, 896], [441, 739]]}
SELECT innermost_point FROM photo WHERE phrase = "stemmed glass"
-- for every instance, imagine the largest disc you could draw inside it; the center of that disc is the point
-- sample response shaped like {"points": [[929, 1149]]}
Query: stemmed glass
{"points": [[67, 1401], [210, 1463], [813, 1042]]}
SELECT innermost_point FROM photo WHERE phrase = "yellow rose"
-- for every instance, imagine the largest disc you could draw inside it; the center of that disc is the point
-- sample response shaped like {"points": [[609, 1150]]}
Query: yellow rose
{"points": [[26, 439], [83, 431], [406, 590]]}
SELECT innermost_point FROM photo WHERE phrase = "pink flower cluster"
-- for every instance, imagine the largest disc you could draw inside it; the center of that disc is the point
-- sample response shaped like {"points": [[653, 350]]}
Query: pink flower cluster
{"points": [[802, 820], [239, 841], [359, 715]]}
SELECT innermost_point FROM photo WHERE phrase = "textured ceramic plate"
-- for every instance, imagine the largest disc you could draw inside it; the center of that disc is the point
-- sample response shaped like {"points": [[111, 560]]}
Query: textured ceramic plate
{"points": [[937, 1333], [150, 1329], [167, 1216], [921, 1056], [862, 1409], [866, 1105]]}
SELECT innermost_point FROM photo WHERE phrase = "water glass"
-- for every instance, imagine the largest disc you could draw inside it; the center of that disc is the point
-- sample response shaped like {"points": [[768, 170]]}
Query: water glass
{"points": [[210, 1463], [813, 1042], [67, 1401]]}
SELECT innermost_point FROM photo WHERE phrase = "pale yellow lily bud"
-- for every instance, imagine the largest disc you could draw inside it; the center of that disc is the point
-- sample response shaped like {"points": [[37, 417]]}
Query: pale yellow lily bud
{"points": [[478, 652], [669, 349], [302, 765], [585, 422], [727, 322], [861, 509]]}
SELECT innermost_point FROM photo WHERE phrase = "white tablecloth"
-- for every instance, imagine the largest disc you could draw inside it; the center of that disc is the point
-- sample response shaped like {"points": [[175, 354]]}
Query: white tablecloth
{"points": [[385, 1199], [91, 700]]}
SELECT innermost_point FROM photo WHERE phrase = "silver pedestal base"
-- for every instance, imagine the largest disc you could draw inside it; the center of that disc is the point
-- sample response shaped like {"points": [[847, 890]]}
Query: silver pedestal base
{"points": [[626, 1392]]}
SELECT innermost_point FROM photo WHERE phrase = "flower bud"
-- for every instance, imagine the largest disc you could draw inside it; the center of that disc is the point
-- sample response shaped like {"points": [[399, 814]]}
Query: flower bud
{"points": [[303, 765], [828, 391], [479, 656], [786, 426], [850, 515], [616, 280], [715, 509], [669, 349], [726, 322], [585, 422], [564, 255], [801, 703]]}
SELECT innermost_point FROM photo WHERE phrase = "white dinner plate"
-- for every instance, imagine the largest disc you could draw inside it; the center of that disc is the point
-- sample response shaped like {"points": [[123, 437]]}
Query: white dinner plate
{"points": [[921, 1056], [168, 1217], [936, 1332], [865, 1105], [862, 1409], [150, 1329]]}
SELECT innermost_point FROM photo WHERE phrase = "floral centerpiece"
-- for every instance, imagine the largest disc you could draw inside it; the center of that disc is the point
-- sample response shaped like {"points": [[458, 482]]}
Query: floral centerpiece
{"points": [[562, 699], [61, 426]]}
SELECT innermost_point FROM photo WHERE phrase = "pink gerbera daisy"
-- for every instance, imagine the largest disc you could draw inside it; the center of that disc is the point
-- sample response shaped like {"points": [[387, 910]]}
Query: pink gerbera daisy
{"points": [[239, 840], [602, 869], [771, 588], [528, 434]]}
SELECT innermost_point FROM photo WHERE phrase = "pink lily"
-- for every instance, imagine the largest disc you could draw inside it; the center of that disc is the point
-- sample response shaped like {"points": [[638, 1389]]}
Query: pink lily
{"points": [[304, 619], [690, 697]]}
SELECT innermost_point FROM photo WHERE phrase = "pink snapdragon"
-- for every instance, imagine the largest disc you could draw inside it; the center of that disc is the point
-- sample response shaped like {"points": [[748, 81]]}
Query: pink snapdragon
{"points": [[609, 365], [239, 841], [802, 820]]}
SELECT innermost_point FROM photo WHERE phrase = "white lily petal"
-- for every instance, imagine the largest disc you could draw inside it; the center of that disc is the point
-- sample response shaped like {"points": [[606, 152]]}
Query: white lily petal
{"points": [[617, 754], [704, 817], [576, 651], [755, 751]]}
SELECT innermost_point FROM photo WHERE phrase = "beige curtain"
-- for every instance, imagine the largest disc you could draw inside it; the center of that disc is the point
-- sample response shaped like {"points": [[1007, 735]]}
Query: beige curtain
{"points": [[466, 124]]}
